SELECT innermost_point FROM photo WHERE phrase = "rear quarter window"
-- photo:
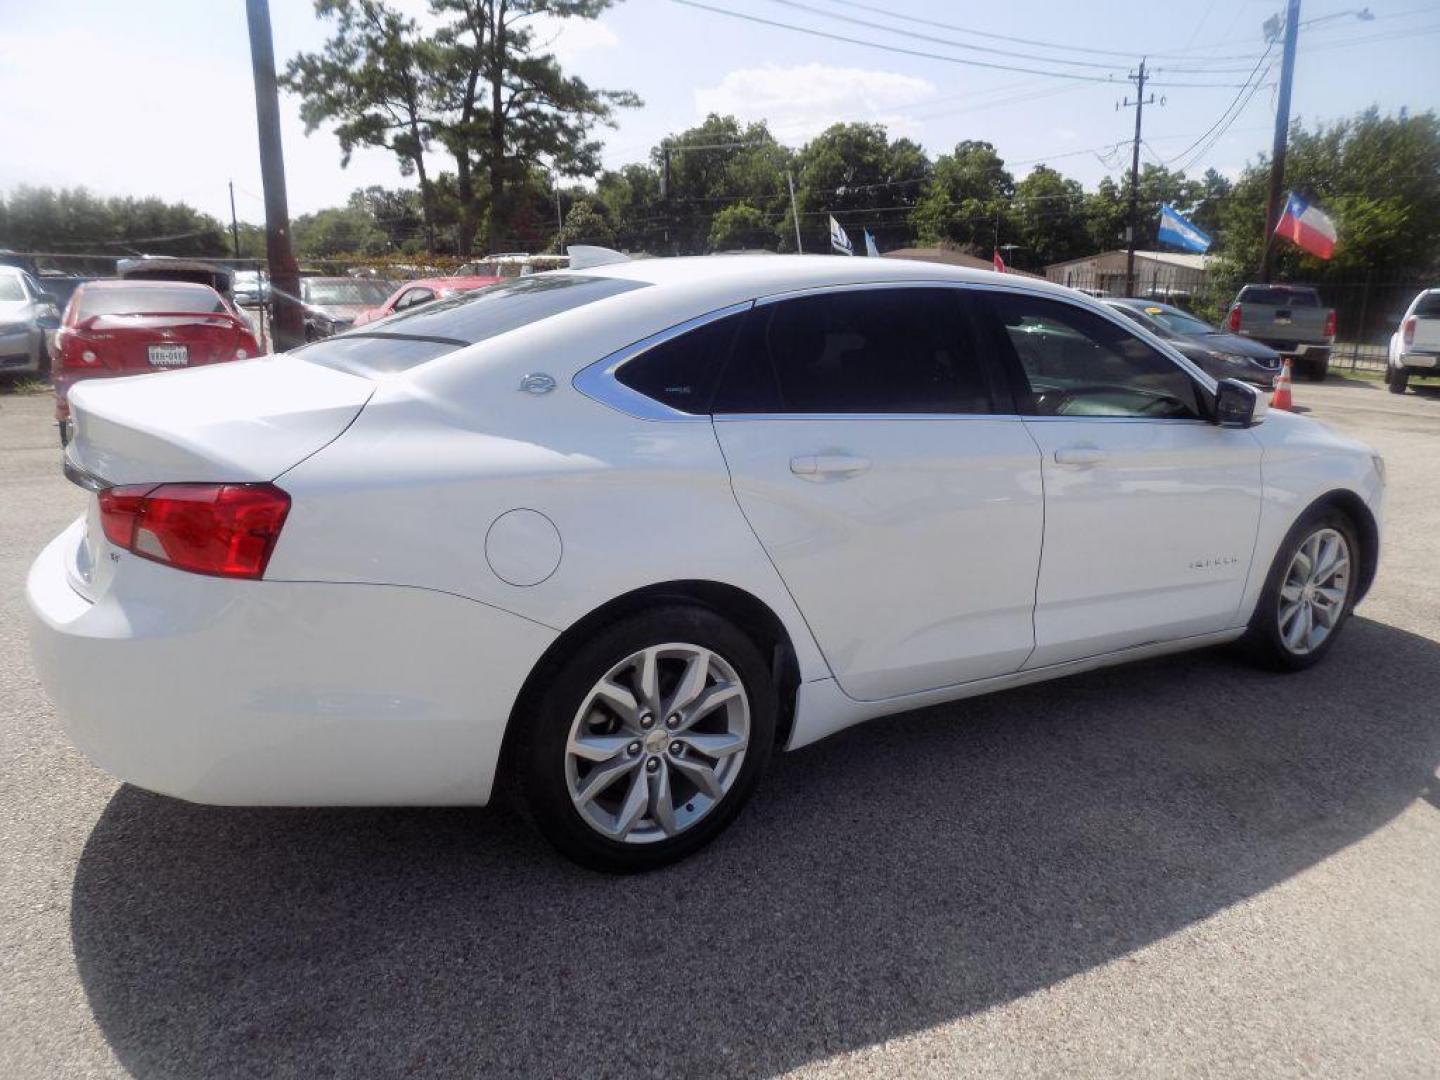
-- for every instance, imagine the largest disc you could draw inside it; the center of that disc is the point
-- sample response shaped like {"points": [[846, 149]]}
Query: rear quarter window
{"points": [[1278, 297]]}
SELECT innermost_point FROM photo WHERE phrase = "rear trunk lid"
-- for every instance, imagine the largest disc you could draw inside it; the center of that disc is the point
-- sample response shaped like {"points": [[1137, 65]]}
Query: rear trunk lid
{"points": [[163, 341], [246, 421], [243, 422]]}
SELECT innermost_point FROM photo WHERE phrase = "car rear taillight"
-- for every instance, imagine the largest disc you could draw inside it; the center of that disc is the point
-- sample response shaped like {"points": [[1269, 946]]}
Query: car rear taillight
{"points": [[1234, 322], [1330, 323], [226, 530], [1407, 330]]}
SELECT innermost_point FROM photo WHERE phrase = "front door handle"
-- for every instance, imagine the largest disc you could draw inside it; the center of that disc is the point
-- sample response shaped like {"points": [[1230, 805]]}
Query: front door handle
{"points": [[1080, 455], [814, 466]]}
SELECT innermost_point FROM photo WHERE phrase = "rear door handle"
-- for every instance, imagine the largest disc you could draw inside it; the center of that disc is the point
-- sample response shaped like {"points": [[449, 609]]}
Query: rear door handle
{"points": [[1080, 455], [818, 465]]}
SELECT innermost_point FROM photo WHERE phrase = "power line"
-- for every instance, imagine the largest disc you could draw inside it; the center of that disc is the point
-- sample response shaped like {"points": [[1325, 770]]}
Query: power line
{"points": [[918, 52], [1111, 67], [1065, 46], [1228, 107]]}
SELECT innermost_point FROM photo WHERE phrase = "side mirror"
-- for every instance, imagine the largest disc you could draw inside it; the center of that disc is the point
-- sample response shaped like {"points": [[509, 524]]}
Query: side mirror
{"points": [[1239, 404], [48, 319]]}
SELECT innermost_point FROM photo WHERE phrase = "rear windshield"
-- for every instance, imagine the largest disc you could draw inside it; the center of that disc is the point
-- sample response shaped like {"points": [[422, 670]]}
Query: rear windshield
{"points": [[423, 333], [1428, 306], [343, 291], [1278, 297], [145, 301]]}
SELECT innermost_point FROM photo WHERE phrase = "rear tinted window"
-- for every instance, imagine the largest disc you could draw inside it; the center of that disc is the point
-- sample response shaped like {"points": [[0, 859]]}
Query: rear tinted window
{"points": [[857, 351], [343, 291], [412, 337], [1428, 306], [1277, 297], [145, 301]]}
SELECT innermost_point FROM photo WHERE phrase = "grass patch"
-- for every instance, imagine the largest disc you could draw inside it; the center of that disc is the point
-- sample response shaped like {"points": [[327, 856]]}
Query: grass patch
{"points": [[26, 384]]}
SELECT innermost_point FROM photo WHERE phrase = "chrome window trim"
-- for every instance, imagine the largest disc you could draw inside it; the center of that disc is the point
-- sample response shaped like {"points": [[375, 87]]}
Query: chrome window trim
{"points": [[597, 381]]}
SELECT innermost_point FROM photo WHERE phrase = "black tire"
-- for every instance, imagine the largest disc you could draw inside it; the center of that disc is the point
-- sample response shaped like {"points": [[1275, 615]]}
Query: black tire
{"points": [[1398, 379], [1263, 643], [1316, 370], [540, 749]]}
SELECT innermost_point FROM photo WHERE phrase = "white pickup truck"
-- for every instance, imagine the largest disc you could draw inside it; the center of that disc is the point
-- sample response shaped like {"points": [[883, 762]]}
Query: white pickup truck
{"points": [[1415, 347]]}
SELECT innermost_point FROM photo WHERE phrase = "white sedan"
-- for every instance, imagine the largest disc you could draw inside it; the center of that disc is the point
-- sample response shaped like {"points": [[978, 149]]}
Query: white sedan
{"points": [[612, 535]]}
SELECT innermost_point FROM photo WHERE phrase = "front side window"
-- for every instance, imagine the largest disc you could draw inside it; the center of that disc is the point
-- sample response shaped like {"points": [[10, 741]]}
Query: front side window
{"points": [[413, 298], [857, 351], [1078, 363]]}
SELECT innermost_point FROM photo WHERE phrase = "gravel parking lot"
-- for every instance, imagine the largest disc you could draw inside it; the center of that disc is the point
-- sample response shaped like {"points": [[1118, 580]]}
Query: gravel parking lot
{"points": [[1181, 867]]}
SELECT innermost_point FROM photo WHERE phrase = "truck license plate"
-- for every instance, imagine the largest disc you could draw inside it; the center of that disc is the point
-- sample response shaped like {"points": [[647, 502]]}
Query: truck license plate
{"points": [[169, 355]]}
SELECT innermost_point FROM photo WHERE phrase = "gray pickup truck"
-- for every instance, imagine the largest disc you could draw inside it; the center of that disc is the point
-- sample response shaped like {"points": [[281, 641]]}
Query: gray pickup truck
{"points": [[1291, 320]]}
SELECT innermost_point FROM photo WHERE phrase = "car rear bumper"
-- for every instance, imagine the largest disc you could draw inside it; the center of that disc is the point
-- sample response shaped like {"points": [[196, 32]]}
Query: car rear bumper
{"points": [[278, 693], [1420, 360], [20, 350]]}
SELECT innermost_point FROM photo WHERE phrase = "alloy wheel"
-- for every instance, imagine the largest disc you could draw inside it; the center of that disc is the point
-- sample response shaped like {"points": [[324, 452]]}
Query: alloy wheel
{"points": [[1314, 590], [657, 743]]}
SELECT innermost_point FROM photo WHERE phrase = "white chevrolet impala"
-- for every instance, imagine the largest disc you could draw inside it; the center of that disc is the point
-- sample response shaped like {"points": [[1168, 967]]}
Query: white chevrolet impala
{"points": [[615, 534]]}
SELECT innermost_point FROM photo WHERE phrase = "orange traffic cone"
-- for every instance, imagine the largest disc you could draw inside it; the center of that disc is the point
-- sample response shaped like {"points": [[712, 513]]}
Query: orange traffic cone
{"points": [[1281, 398]]}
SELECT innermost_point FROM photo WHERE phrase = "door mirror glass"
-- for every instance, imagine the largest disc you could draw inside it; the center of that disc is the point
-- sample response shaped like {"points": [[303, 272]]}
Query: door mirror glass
{"points": [[48, 319], [1238, 404]]}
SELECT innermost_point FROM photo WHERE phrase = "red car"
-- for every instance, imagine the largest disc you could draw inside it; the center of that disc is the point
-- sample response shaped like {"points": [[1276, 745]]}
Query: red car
{"points": [[131, 327], [414, 293]]}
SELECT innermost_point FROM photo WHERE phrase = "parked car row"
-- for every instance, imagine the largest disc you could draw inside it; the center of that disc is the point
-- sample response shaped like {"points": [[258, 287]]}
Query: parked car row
{"points": [[615, 534]]}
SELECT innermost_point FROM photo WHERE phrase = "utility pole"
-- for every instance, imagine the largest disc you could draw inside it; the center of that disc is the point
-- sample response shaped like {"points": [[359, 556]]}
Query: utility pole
{"points": [[1282, 135], [287, 321], [795, 214], [1133, 227], [234, 225]]}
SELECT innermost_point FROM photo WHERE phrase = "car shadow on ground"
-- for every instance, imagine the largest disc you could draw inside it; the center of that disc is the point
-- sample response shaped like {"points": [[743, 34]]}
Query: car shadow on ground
{"points": [[899, 875]]}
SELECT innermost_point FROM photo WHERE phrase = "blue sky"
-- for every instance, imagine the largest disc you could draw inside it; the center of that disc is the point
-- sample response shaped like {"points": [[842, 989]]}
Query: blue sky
{"points": [[154, 96]]}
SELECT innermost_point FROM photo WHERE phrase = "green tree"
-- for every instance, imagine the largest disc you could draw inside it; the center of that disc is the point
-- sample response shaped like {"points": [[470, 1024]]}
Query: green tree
{"points": [[1049, 219], [481, 85], [585, 224], [631, 196], [741, 227], [374, 79], [339, 230], [967, 200], [855, 173], [76, 219], [1379, 180]]}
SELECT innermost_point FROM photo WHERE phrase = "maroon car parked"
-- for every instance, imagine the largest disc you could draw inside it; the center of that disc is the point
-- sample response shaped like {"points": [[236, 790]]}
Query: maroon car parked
{"points": [[130, 327]]}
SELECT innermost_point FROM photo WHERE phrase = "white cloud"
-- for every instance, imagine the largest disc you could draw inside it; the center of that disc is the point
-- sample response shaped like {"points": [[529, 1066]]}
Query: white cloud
{"points": [[572, 38], [800, 102]]}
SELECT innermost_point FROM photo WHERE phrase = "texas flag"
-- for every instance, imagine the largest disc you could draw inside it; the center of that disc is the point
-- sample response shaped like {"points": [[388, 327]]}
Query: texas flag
{"points": [[998, 262], [1307, 227]]}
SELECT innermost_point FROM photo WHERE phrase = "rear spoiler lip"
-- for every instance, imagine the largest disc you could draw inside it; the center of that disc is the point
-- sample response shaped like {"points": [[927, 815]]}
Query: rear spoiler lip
{"points": [[84, 478], [90, 321]]}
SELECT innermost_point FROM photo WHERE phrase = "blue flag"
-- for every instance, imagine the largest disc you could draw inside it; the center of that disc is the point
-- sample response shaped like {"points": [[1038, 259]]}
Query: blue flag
{"points": [[1177, 231], [838, 240], [870, 248]]}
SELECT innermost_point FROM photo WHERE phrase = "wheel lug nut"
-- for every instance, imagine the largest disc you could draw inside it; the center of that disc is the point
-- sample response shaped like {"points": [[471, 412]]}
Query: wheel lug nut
{"points": [[633, 748], [652, 764], [673, 720], [677, 748], [646, 720]]}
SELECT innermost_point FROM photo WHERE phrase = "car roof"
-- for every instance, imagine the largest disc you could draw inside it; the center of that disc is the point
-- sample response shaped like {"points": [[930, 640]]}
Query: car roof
{"points": [[721, 279]]}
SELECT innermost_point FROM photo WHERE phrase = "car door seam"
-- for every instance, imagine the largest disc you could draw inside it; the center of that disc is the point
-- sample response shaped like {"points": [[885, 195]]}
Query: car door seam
{"points": [[735, 495]]}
